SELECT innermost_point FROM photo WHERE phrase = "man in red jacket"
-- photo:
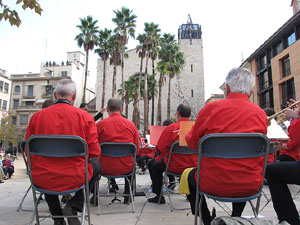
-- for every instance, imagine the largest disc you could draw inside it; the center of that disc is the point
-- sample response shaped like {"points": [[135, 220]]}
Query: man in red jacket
{"points": [[116, 128], [179, 163], [280, 174], [64, 119], [234, 114]]}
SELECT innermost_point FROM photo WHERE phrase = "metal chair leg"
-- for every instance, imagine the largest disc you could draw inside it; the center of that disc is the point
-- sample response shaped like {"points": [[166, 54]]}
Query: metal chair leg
{"points": [[21, 203]]}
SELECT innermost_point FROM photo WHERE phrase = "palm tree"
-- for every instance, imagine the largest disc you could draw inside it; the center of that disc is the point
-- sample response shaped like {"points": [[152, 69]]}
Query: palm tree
{"points": [[152, 37], [141, 50], [115, 59], [174, 67], [87, 38], [125, 22], [103, 52], [163, 54]]}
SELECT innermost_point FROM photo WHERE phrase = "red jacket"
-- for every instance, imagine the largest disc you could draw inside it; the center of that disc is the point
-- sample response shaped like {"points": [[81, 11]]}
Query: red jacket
{"points": [[235, 114], [179, 162], [63, 119], [294, 131], [116, 128]]}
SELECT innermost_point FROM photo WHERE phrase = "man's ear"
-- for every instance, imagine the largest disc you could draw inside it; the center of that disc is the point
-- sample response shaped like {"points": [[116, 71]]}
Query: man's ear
{"points": [[121, 109], [55, 96], [74, 97], [228, 91]]}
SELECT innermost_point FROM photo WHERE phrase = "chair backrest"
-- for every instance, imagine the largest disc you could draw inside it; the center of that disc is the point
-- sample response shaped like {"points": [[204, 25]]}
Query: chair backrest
{"points": [[232, 146], [180, 150], [22, 145], [56, 146], [118, 149]]}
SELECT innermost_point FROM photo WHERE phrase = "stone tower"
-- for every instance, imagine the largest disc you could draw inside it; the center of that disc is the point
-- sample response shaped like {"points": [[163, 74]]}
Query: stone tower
{"points": [[189, 85]]}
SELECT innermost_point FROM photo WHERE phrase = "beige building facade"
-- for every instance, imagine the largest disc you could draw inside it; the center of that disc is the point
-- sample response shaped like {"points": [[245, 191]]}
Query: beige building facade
{"points": [[29, 91], [187, 87]]}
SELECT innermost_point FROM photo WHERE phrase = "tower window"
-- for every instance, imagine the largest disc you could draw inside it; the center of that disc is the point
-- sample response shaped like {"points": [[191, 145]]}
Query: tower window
{"points": [[191, 67], [192, 93]]}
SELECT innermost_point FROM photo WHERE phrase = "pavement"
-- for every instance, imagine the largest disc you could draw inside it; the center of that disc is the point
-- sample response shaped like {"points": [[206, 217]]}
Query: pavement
{"points": [[12, 191]]}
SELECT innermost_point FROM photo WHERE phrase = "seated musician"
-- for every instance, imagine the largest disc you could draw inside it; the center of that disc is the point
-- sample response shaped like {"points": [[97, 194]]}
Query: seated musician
{"points": [[167, 138], [280, 174], [116, 128], [234, 114], [286, 150], [64, 119]]}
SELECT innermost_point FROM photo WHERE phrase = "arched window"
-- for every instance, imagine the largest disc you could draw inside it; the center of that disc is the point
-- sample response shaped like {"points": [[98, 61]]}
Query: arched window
{"points": [[17, 89]]}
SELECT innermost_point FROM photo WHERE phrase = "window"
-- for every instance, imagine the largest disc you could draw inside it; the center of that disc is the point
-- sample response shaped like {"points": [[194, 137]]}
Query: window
{"points": [[0, 103], [288, 91], [16, 103], [1, 85], [192, 93], [17, 89], [28, 103], [30, 90], [265, 80], [286, 69], [4, 105], [48, 89], [191, 67], [24, 119], [14, 120], [64, 73], [262, 62], [278, 48], [266, 99], [291, 39], [6, 86]]}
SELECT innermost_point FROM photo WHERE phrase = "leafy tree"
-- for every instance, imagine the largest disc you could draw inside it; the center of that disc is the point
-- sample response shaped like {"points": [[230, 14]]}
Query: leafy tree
{"points": [[125, 22], [9, 133], [12, 15], [103, 52], [87, 38]]}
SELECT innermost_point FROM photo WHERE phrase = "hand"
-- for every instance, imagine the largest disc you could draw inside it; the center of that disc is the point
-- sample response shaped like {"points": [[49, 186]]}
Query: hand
{"points": [[102, 110], [291, 113]]}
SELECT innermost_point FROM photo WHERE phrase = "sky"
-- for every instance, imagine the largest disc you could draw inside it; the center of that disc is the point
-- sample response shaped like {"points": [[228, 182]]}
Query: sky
{"points": [[231, 30]]}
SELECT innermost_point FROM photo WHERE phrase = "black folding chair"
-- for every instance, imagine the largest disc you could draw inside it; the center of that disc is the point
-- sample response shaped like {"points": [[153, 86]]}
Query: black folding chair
{"points": [[119, 150], [58, 146], [178, 150], [231, 146]]}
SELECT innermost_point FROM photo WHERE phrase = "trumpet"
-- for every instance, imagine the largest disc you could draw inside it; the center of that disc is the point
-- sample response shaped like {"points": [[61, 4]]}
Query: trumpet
{"points": [[280, 116]]}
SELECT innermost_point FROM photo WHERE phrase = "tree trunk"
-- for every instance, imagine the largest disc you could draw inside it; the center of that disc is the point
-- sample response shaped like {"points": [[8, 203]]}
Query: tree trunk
{"points": [[114, 87], [158, 116], [85, 76], [169, 99], [146, 103], [103, 84], [153, 92], [123, 78]]}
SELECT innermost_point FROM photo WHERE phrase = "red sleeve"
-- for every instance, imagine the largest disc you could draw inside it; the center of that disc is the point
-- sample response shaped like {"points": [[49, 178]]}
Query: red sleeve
{"points": [[290, 145], [294, 131], [198, 130], [92, 139], [136, 140]]}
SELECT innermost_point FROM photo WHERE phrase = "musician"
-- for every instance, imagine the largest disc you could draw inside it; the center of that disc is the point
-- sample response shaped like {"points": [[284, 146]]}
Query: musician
{"points": [[64, 119], [85, 107], [280, 174], [116, 128], [167, 138], [234, 114]]}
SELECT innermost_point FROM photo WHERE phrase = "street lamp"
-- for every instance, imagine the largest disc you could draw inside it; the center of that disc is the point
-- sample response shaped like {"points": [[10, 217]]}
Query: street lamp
{"points": [[49, 88]]}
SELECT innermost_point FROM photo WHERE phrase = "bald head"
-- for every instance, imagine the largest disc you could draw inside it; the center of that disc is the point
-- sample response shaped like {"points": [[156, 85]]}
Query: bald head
{"points": [[114, 105]]}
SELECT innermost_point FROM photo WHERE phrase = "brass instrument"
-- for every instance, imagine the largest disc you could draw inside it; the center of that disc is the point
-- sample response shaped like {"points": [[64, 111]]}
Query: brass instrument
{"points": [[280, 116]]}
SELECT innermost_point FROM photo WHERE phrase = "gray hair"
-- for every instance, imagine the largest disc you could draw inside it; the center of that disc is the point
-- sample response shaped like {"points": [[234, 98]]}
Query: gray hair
{"points": [[240, 80], [65, 88], [114, 104]]}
